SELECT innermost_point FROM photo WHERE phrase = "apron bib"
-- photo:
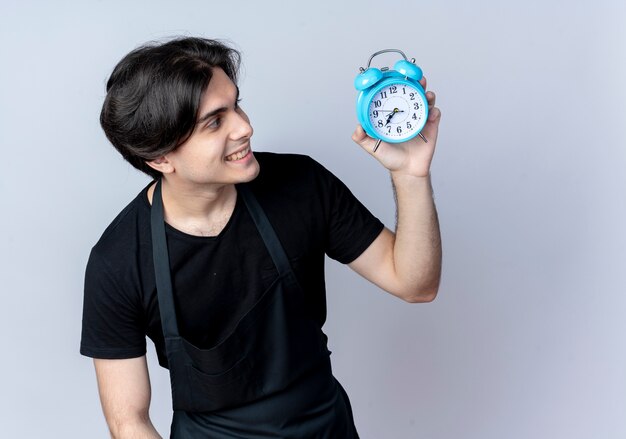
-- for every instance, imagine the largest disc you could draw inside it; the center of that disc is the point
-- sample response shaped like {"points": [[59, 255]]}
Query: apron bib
{"points": [[270, 377]]}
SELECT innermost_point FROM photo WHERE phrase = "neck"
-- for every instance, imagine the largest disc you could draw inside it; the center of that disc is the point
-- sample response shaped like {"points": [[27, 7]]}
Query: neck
{"points": [[196, 210]]}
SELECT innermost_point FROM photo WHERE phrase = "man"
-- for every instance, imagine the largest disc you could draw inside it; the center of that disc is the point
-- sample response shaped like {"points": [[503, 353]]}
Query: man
{"points": [[220, 260]]}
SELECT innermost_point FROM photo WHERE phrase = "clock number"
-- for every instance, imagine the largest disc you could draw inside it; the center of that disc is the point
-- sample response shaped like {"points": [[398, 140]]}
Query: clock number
{"points": [[377, 104], [414, 116], [403, 90], [389, 129], [409, 126], [380, 123], [383, 95], [416, 106], [412, 95], [393, 89], [399, 130], [375, 113]]}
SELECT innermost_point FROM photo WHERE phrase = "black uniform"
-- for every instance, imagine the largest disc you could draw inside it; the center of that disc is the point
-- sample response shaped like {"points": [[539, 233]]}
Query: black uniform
{"points": [[251, 359]]}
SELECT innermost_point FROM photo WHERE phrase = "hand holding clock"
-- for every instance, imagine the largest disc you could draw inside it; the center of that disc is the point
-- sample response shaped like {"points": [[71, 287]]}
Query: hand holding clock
{"points": [[412, 157]]}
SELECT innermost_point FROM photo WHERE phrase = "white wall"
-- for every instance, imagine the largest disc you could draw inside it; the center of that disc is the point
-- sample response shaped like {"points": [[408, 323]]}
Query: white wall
{"points": [[526, 337]]}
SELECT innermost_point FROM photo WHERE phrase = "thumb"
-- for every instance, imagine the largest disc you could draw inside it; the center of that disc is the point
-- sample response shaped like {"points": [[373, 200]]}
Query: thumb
{"points": [[361, 138]]}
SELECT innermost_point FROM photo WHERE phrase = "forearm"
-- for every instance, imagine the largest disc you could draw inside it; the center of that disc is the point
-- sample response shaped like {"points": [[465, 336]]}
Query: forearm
{"points": [[125, 392], [417, 245], [135, 429]]}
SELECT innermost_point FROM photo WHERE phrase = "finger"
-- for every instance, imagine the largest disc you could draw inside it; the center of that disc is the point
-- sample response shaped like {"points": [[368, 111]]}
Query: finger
{"points": [[423, 82], [359, 134], [431, 128], [431, 98], [434, 114]]}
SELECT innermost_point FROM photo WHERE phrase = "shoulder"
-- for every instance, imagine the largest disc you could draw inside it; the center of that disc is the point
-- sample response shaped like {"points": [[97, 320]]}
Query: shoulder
{"points": [[124, 234], [286, 164], [289, 171]]}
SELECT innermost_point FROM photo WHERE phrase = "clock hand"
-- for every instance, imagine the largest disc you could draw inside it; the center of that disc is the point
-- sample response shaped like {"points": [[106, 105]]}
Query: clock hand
{"points": [[395, 110], [389, 119]]}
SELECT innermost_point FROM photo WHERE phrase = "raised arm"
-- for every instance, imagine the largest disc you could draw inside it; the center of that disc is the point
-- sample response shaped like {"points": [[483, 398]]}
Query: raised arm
{"points": [[407, 263], [124, 387]]}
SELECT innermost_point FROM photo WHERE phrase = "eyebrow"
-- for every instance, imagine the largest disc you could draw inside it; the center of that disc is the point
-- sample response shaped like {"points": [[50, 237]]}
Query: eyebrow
{"points": [[212, 113]]}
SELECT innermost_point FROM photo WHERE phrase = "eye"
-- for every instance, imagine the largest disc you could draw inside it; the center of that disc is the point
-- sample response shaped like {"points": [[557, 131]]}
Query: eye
{"points": [[214, 123], [237, 103]]}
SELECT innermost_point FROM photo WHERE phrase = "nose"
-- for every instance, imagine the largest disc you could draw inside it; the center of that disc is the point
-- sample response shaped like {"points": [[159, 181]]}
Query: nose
{"points": [[241, 128]]}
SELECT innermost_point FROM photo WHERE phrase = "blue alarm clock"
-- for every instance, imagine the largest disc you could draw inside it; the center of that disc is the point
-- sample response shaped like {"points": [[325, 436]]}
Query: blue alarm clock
{"points": [[391, 105]]}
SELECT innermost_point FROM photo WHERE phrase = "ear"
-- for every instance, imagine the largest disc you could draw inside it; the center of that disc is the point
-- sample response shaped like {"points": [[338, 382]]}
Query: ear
{"points": [[161, 164]]}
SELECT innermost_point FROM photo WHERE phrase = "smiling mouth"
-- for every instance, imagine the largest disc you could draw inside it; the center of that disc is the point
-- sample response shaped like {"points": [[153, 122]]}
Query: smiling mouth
{"points": [[238, 155]]}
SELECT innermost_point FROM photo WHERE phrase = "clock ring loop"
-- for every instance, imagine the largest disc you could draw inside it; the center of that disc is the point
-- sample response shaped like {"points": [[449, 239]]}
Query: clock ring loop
{"points": [[386, 51]]}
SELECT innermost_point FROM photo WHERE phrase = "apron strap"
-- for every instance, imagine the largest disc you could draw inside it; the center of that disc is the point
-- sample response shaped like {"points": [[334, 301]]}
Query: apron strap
{"points": [[266, 230], [160, 257], [160, 253]]}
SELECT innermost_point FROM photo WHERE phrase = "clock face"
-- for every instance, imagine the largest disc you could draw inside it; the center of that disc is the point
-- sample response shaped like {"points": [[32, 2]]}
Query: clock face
{"points": [[397, 111]]}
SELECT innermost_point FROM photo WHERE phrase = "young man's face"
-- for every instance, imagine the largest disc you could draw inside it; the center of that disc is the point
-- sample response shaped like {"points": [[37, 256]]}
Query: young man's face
{"points": [[218, 151]]}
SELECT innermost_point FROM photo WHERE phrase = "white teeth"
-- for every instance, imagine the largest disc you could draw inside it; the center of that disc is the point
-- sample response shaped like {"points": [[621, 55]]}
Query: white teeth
{"points": [[238, 155]]}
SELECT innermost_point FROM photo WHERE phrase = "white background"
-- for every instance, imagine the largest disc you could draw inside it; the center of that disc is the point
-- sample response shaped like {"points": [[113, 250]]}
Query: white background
{"points": [[526, 338]]}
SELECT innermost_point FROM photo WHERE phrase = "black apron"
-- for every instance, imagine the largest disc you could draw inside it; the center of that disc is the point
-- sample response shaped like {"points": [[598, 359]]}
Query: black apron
{"points": [[270, 377]]}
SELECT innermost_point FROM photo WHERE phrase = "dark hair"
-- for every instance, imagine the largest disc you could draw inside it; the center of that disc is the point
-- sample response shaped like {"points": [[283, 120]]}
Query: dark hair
{"points": [[154, 93]]}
